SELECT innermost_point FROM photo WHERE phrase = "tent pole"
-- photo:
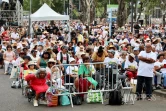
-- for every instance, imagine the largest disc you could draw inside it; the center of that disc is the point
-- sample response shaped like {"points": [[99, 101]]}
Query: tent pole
{"points": [[69, 39]]}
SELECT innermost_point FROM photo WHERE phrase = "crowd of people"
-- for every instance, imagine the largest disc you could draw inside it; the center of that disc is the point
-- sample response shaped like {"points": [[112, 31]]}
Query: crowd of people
{"points": [[140, 54]]}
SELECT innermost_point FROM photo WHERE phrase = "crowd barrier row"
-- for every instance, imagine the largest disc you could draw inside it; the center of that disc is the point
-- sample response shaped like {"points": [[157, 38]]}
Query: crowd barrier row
{"points": [[81, 79]]}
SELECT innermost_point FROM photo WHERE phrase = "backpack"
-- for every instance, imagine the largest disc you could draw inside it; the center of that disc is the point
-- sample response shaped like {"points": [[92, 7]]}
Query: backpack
{"points": [[64, 99], [77, 100], [115, 98], [62, 58]]}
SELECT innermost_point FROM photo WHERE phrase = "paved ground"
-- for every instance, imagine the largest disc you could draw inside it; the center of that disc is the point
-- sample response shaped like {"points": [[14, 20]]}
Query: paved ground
{"points": [[12, 100]]}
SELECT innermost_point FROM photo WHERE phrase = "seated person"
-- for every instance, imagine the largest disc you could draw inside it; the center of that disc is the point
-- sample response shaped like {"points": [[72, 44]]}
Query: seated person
{"points": [[50, 64], [31, 69], [57, 75], [71, 72], [99, 56], [111, 59], [131, 67], [20, 59], [38, 83], [85, 80], [24, 65], [108, 61], [159, 69]]}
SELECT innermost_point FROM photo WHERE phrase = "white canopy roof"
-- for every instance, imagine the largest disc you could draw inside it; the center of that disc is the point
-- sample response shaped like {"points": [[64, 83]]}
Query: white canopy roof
{"points": [[46, 13], [4, 1]]}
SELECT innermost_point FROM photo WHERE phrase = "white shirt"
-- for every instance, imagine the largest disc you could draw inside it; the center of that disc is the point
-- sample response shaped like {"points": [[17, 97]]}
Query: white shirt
{"points": [[132, 42], [39, 53], [159, 64], [2, 30], [48, 70], [123, 41], [34, 59], [14, 36], [64, 56], [29, 40], [144, 68], [96, 48], [72, 70], [130, 64], [108, 60]]}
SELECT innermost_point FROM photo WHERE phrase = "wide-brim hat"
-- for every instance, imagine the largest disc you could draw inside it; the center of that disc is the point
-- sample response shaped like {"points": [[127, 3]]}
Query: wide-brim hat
{"points": [[132, 55], [51, 60], [14, 44], [112, 46], [31, 63], [72, 59], [45, 32], [155, 40]]}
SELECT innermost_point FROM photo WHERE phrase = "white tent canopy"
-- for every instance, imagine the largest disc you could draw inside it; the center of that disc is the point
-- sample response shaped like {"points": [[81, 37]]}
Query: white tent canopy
{"points": [[46, 13]]}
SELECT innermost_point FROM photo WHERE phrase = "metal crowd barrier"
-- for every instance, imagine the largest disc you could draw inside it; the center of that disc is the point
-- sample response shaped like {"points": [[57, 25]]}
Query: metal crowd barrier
{"points": [[105, 74]]}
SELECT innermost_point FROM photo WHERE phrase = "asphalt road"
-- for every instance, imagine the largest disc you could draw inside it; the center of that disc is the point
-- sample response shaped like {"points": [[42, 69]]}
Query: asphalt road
{"points": [[12, 100]]}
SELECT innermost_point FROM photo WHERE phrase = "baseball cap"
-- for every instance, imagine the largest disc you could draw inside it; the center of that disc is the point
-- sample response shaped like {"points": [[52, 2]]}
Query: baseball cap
{"points": [[111, 51], [136, 48]]}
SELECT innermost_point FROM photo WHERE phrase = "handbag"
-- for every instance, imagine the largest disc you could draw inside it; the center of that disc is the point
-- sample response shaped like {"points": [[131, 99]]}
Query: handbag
{"points": [[77, 100], [115, 98], [94, 96], [64, 99], [52, 99]]}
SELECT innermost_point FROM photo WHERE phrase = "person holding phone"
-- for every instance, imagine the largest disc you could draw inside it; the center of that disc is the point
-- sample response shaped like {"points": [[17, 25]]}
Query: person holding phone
{"points": [[159, 70]]}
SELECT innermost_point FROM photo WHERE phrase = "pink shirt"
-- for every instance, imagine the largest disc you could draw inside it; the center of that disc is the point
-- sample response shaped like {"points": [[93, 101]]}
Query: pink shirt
{"points": [[9, 55]]}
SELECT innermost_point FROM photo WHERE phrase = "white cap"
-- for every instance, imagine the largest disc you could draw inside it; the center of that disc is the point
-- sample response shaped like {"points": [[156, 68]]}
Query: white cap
{"points": [[72, 59], [18, 47]]}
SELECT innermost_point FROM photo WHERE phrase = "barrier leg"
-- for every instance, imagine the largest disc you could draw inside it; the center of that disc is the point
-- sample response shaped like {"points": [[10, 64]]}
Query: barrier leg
{"points": [[71, 101], [102, 99]]}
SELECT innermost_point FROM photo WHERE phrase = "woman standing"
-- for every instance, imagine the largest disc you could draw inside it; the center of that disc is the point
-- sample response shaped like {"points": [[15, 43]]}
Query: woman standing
{"points": [[42, 62], [9, 57]]}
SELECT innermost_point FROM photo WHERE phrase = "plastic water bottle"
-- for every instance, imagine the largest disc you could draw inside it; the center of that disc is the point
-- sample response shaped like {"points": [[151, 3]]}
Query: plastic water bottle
{"points": [[53, 91]]}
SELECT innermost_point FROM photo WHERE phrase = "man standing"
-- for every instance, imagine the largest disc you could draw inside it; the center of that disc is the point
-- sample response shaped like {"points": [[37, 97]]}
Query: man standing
{"points": [[145, 71]]}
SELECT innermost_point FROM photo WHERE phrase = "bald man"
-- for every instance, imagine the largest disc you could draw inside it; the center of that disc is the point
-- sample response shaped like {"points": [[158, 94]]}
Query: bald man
{"points": [[145, 71]]}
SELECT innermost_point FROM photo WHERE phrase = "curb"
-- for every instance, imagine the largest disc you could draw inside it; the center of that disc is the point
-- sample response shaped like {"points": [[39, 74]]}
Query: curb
{"points": [[160, 93]]}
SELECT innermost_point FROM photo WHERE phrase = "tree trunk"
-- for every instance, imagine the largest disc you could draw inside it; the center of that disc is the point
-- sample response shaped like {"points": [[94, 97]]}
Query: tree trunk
{"points": [[83, 13], [140, 11], [104, 15], [135, 11], [92, 12], [87, 14], [121, 19]]}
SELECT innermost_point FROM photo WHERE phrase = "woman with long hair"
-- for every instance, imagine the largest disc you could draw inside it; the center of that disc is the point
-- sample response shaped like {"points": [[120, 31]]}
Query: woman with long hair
{"points": [[42, 62]]}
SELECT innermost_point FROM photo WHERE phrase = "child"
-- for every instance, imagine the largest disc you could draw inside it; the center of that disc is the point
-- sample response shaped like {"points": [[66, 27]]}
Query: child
{"points": [[31, 69]]}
